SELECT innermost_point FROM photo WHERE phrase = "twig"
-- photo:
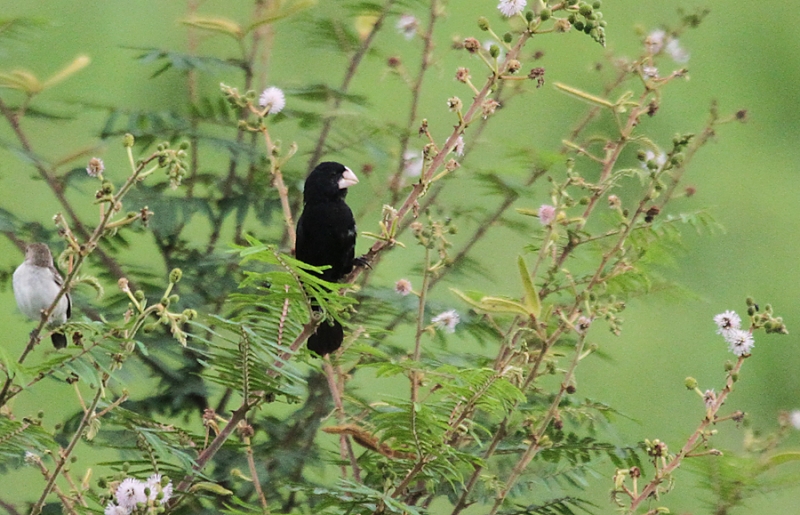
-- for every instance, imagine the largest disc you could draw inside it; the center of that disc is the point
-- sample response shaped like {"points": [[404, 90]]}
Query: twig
{"points": [[355, 61], [691, 443], [67, 453]]}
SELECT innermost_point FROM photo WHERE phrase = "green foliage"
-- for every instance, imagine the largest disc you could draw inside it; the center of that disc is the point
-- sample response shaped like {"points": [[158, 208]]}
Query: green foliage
{"points": [[193, 366]]}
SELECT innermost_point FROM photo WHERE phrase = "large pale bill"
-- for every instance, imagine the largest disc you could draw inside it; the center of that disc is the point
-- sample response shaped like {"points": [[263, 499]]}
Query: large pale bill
{"points": [[348, 179]]}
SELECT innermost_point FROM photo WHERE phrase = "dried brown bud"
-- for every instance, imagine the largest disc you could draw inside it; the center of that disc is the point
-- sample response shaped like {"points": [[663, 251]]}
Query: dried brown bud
{"points": [[489, 106], [651, 213], [741, 115], [562, 25], [537, 74], [472, 45], [96, 167]]}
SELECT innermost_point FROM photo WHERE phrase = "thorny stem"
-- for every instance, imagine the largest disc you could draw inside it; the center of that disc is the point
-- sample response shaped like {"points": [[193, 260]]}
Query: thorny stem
{"points": [[65, 500], [283, 191], [691, 443], [426, 277], [86, 249], [57, 187], [251, 464], [346, 447], [420, 188], [355, 61], [427, 54], [212, 449], [241, 412], [88, 415], [535, 444]]}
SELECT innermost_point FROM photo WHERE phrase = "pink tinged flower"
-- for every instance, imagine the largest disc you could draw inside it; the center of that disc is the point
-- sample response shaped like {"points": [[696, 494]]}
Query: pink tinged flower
{"points": [[459, 148], [412, 164], [677, 52], [489, 106], [547, 214], [794, 419], [154, 484], [509, 8], [655, 41], [447, 320], [583, 323], [96, 167], [659, 159], [130, 492], [403, 287], [727, 321], [407, 26], [651, 72], [113, 509], [709, 398], [273, 100], [740, 342]]}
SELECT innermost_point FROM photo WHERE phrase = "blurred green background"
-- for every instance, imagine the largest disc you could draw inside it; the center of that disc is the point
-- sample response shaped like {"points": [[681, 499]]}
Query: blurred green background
{"points": [[743, 56]]}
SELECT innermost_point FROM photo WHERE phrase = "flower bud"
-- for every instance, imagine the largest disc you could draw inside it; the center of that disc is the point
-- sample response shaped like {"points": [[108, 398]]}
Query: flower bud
{"points": [[128, 140], [175, 275], [483, 23], [690, 383], [472, 45]]}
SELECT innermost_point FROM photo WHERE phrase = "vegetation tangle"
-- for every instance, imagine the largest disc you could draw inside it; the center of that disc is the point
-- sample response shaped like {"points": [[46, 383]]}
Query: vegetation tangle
{"points": [[189, 383]]}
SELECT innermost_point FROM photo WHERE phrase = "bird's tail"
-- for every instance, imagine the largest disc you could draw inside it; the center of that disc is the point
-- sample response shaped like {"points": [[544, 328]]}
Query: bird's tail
{"points": [[59, 340], [328, 338]]}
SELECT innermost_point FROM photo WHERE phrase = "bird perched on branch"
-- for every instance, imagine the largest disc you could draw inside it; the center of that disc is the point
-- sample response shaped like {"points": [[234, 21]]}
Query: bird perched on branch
{"points": [[326, 235], [36, 283]]}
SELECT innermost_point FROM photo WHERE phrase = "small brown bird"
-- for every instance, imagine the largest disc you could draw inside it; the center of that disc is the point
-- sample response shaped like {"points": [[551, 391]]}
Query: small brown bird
{"points": [[36, 283]]}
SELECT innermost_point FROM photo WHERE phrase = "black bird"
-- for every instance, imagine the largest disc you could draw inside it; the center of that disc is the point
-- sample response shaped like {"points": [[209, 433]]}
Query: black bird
{"points": [[326, 235]]}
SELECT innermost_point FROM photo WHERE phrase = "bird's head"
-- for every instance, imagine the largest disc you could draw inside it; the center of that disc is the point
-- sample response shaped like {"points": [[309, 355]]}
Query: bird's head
{"points": [[329, 181], [39, 254]]}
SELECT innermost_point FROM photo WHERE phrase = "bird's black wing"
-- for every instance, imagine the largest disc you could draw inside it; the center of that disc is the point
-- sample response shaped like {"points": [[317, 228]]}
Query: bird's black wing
{"points": [[326, 235]]}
